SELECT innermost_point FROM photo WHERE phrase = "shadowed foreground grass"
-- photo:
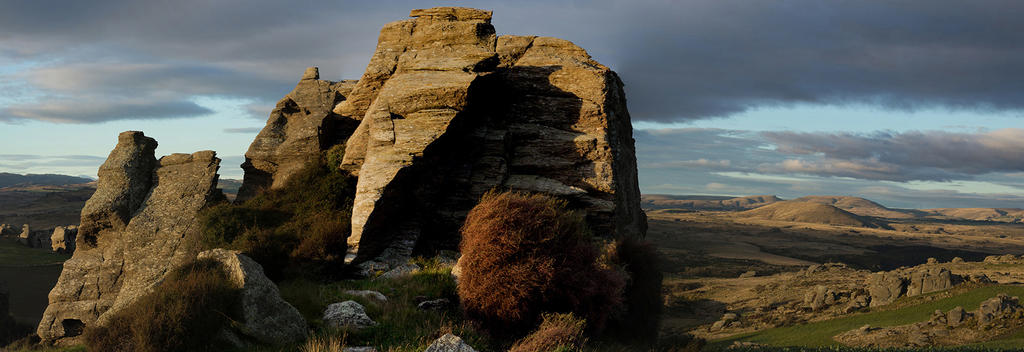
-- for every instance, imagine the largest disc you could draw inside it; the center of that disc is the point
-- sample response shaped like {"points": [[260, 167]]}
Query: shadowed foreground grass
{"points": [[820, 334]]}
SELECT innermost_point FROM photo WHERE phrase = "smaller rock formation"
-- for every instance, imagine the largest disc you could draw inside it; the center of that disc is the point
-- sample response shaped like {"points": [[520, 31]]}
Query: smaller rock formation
{"points": [[300, 127], [63, 239], [139, 224], [820, 297], [886, 287], [266, 317], [434, 304], [449, 343], [347, 314]]}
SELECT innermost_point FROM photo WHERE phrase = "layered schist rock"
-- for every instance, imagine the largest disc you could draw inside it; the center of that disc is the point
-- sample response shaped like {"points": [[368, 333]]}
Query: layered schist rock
{"points": [[140, 223], [300, 127], [449, 110]]}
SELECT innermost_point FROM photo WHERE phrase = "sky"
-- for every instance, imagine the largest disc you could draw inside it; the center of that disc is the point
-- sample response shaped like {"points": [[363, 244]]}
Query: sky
{"points": [[914, 104]]}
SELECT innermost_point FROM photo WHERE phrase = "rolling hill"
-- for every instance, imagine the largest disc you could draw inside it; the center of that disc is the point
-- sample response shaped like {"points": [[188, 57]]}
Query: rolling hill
{"points": [[810, 212], [862, 207], [662, 201], [16, 180]]}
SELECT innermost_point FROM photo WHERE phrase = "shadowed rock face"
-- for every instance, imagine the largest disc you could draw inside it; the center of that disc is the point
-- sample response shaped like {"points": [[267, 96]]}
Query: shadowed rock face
{"points": [[140, 223], [299, 128], [449, 111]]}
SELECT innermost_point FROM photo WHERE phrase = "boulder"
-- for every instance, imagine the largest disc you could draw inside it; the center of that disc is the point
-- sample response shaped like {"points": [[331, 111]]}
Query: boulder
{"points": [[139, 224], [347, 314], [931, 280], [63, 239], [266, 317], [819, 297], [400, 271], [448, 110], [373, 295], [434, 304], [25, 236], [449, 343], [957, 316], [996, 307], [885, 287], [299, 129]]}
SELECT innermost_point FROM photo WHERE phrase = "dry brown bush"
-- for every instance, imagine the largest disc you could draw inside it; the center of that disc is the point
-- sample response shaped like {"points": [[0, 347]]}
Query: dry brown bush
{"points": [[558, 332], [526, 254]]}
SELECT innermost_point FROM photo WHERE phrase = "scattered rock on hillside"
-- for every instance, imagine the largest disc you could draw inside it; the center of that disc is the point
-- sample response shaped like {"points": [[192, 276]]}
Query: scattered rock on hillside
{"points": [[347, 313], [63, 239], [8, 230], [139, 224], [996, 316], [885, 288], [1002, 259], [300, 127], [748, 274], [820, 297], [930, 280], [266, 317], [368, 294], [434, 304], [449, 343], [359, 349], [400, 271]]}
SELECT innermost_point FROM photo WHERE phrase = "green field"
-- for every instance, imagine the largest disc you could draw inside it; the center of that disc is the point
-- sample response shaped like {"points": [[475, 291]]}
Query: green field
{"points": [[13, 254], [820, 334]]}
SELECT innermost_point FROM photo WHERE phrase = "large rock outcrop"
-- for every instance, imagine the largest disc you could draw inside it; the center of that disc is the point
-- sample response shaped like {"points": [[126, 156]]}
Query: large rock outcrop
{"points": [[140, 223], [300, 127], [62, 239], [448, 110]]}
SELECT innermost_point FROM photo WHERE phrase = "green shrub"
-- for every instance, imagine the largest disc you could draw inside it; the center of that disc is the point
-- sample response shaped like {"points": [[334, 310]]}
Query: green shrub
{"points": [[558, 332], [185, 313], [523, 255], [641, 320], [299, 229]]}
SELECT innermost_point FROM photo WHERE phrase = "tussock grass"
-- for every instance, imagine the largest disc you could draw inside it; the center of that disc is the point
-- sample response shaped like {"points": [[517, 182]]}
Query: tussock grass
{"points": [[401, 326], [298, 230]]}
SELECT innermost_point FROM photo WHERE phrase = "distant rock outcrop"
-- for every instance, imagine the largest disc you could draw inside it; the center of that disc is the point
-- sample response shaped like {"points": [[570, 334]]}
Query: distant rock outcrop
{"points": [[63, 239], [140, 223], [300, 127]]}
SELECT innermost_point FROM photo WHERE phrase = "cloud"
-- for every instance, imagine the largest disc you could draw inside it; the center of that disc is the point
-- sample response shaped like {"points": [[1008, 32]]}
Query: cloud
{"points": [[243, 130], [916, 155], [679, 59]]}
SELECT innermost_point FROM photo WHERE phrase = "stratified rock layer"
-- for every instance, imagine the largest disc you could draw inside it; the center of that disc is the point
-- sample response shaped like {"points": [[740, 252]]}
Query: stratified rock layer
{"points": [[449, 110], [300, 127], [140, 223]]}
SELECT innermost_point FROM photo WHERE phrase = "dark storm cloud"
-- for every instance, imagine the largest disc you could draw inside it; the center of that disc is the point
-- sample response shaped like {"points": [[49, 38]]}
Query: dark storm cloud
{"points": [[916, 155], [679, 59]]}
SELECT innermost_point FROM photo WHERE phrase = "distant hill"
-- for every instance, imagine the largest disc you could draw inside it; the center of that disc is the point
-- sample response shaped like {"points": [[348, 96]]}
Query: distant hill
{"points": [[663, 201], [16, 180], [810, 212], [863, 207], [977, 214]]}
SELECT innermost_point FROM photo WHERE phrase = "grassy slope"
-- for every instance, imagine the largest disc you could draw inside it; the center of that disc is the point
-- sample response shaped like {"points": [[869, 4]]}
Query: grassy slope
{"points": [[17, 255], [820, 333]]}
